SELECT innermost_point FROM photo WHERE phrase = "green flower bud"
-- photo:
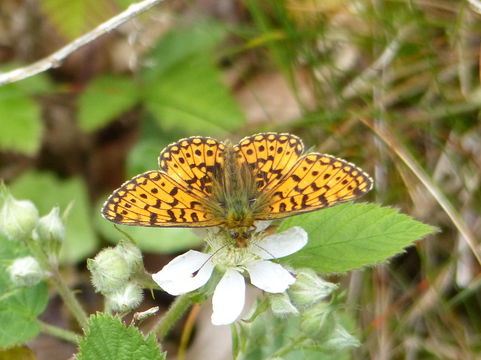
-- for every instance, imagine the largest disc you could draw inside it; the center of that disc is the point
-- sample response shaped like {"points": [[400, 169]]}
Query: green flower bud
{"points": [[50, 232], [125, 299], [341, 339], [309, 289], [132, 256], [17, 217], [26, 271], [318, 322], [110, 271], [281, 306]]}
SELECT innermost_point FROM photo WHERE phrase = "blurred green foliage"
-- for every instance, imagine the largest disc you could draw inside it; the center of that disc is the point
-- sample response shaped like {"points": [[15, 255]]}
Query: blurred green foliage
{"points": [[45, 190], [19, 307], [412, 67]]}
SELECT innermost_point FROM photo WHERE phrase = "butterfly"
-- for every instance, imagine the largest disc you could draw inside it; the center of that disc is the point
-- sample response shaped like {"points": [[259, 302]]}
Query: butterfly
{"points": [[203, 182]]}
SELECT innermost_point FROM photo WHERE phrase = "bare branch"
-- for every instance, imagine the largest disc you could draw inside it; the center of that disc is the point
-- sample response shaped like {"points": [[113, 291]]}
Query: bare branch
{"points": [[55, 60]]}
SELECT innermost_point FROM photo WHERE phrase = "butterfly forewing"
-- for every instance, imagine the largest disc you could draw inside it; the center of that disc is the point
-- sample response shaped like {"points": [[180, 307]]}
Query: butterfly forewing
{"points": [[155, 199], [316, 181], [270, 156], [192, 162]]}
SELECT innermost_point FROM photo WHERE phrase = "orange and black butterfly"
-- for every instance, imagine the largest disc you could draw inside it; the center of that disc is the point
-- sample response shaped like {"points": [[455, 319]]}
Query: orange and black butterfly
{"points": [[203, 182]]}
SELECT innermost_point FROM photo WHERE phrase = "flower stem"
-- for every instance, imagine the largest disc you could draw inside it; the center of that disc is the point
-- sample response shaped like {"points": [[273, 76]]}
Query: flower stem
{"points": [[57, 281], [290, 346], [169, 319], [187, 332], [69, 298], [59, 332]]}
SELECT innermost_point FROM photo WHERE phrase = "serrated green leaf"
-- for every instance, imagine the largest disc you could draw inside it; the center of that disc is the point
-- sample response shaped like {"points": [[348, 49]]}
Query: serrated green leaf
{"points": [[75, 17], [47, 191], [19, 307], [20, 121], [350, 236], [105, 98], [107, 338], [184, 89]]}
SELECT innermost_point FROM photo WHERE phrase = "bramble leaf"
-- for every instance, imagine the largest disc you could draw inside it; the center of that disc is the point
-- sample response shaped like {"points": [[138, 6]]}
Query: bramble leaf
{"points": [[350, 236], [107, 338]]}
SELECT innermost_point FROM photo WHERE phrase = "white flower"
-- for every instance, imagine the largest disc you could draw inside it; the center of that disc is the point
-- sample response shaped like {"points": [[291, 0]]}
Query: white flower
{"points": [[193, 269]]}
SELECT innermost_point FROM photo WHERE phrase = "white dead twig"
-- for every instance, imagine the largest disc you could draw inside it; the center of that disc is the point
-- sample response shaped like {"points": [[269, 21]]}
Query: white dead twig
{"points": [[55, 60], [475, 5]]}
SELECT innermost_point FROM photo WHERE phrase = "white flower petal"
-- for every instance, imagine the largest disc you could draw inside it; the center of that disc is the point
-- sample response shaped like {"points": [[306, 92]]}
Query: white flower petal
{"points": [[261, 225], [282, 244], [180, 275], [206, 231], [269, 276], [228, 299]]}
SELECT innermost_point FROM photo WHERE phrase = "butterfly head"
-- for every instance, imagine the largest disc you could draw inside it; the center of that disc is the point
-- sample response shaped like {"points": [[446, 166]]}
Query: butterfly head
{"points": [[241, 235]]}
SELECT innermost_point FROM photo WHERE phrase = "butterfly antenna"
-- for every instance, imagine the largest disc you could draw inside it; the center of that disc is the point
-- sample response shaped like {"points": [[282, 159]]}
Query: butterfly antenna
{"points": [[267, 251], [125, 234], [205, 262]]}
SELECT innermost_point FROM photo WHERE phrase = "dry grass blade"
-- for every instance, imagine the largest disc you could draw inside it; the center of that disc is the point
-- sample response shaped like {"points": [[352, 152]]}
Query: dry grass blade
{"points": [[385, 135]]}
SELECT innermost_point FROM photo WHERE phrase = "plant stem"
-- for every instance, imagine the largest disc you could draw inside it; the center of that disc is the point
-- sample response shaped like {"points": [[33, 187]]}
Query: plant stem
{"points": [[69, 298], [64, 291], [59, 332], [169, 319], [187, 332], [290, 346]]}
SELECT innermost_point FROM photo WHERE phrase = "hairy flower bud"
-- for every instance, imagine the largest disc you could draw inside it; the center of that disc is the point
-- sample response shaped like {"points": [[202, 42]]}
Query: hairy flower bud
{"points": [[25, 271], [309, 289], [50, 232], [318, 322], [281, 306], [17, 217], [126, 298], [110, 271], [131, 254], [340, 339]]}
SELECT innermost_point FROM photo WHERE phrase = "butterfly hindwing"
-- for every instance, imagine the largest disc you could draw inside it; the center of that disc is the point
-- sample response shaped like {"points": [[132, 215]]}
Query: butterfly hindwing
{"points": [[316, 181], [155, 199]]}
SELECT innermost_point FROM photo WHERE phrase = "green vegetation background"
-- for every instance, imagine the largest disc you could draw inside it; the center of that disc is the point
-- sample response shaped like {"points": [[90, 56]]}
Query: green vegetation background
{"points": [[392, 86]]}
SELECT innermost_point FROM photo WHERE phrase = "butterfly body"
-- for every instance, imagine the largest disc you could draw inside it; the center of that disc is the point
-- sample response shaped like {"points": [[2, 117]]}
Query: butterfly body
{"points": [[203, 182], [235, 198]]}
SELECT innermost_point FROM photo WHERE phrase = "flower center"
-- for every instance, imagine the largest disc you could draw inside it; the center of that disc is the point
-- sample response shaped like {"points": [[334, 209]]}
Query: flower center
{"points": [[225, 252]]}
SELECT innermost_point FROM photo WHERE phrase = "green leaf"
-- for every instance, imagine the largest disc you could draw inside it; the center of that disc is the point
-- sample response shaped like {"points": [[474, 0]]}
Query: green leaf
{"points": [[47, 191], [182, 43], [75, 17], [107, 338], [19, 307], [350, 236], [105, 98], [20, 121], [184, 89]]}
